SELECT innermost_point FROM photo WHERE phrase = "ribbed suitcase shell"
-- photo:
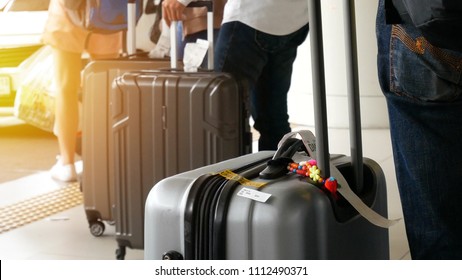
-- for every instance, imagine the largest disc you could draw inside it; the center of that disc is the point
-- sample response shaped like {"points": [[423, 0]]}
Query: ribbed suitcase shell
{"points": [[164, 123], [96, 182], [196, 216], [299, 221]]}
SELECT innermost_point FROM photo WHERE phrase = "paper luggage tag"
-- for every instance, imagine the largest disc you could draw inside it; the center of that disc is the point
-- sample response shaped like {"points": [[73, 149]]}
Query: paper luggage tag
{"points": [[194, 54], [308, 139], [254, 194], [364, 210]]}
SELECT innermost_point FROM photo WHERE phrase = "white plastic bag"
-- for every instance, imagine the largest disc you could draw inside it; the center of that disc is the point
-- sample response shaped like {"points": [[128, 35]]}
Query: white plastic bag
{"points": [[35, 100]]}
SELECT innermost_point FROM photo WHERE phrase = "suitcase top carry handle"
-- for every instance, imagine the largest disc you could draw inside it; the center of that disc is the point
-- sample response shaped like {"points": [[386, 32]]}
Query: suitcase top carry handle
{"points": [[319, 91], [287, 148], [173, 38], [277, 166], [208, 4]]}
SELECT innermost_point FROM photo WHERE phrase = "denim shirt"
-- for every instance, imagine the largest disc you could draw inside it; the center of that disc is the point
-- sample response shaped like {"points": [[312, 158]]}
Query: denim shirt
{"points": [[439, 21]]}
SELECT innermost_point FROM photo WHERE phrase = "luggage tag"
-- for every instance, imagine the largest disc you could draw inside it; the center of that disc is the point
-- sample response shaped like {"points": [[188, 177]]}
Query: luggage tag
{"points": [[162, 47], [194, 54], [309, 140], [364, 210], [254, 194], [336, 183]]}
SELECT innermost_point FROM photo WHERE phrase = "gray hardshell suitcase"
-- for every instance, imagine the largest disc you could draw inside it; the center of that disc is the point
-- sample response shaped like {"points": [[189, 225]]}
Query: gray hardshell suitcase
{"points": [[97, 179], [253, 207], [206, 214], [165, 122]]}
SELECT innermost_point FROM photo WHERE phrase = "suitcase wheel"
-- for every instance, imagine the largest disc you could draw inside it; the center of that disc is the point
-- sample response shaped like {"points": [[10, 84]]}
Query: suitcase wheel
{"points": [[97, 228], [120, 253], [172, 255]]}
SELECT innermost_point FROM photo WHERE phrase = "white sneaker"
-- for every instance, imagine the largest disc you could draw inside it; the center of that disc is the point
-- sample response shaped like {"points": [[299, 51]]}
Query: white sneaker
{"points": [[64, 173]]}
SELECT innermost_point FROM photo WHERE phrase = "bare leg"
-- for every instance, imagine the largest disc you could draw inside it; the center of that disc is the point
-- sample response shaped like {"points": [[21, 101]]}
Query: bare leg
{"points": [[67, 80]]}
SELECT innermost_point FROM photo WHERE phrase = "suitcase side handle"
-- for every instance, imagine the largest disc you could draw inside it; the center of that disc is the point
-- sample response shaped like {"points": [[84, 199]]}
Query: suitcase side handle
{"points": [[131, 27]]}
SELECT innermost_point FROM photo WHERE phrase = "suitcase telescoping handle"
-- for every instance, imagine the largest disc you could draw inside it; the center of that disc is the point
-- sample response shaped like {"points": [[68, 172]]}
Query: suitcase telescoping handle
{"points": [[131, 27], [319, 91], [173, 37]]}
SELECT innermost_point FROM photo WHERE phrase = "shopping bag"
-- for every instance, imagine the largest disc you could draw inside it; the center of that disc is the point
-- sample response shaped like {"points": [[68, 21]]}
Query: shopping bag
{"points": [[35, 100]]}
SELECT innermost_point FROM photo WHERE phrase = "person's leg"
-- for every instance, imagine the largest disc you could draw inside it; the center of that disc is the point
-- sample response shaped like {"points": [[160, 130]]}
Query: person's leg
{"points": [[424, 101], [237, 54], [247, 55], [269, 98], [67, 81], [428, 160]]}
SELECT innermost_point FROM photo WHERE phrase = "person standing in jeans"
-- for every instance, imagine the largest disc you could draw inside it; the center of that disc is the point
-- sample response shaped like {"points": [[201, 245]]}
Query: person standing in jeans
{"points": [[423, 86], [258, 44]]}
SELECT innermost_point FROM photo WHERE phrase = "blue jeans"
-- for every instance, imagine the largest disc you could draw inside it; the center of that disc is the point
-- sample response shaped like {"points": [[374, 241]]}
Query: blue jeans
{"points": [[263, 63], [423, 86]]}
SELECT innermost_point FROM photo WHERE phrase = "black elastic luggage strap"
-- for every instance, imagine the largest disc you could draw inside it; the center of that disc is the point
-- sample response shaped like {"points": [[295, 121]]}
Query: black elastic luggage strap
{"points": [[194, 213], [206, 210], [221, 211], [195, 226]]}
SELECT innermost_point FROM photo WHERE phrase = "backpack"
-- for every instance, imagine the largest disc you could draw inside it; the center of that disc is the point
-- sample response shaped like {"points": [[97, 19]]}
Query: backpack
{"points": [[101, 16], [440, 21]]}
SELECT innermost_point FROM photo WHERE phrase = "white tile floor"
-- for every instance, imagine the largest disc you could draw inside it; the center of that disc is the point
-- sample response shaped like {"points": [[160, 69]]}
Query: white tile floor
{"points": [[65, 235]]}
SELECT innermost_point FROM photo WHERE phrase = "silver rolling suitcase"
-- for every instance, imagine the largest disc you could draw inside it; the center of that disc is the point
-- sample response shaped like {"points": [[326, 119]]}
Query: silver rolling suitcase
{"points": [[268, 206]]}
